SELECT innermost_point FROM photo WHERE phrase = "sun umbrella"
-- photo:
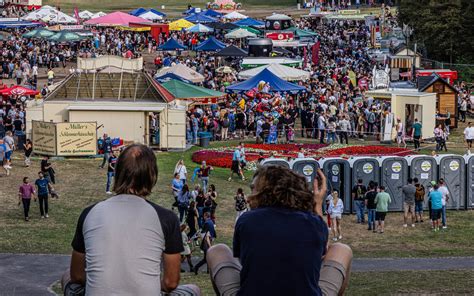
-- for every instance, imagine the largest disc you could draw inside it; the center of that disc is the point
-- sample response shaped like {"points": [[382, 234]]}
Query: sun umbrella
{"points": [[179, 25], [38, 33], [19, 91], [86, 14], [225, 70], [239, 34], [66, 36]]}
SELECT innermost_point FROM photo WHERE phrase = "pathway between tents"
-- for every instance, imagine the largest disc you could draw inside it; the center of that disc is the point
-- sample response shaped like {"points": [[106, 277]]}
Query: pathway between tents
{"points": [[33, 274]]}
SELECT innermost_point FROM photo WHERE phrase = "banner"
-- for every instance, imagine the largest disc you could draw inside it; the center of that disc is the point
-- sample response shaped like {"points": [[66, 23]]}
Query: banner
{"points": [[76, 15], [76, 138], [315, 52], [44, 137]]}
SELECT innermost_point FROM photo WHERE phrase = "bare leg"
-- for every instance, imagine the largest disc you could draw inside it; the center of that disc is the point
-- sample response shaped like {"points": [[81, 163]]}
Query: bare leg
{"points": [[339, 228], [334, 227]]}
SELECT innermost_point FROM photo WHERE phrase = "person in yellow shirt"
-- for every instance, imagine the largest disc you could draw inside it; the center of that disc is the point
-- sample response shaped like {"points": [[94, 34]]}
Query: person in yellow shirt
{"points": [[50, 76]]}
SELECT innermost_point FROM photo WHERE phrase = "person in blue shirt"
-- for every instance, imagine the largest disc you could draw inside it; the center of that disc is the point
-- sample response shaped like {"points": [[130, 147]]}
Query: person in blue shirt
{"points": [[43, 188], [176, 186], [281, 242], [107, 149], [208, 234], [236, 164], [436, 199]]}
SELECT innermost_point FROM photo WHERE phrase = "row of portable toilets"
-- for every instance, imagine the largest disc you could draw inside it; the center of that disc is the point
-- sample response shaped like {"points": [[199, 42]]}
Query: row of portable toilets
{"points": [[393, 173]]}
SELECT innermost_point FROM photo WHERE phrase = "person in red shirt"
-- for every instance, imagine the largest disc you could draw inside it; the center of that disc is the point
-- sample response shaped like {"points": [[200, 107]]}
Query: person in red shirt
{"points": [[24, 195]]}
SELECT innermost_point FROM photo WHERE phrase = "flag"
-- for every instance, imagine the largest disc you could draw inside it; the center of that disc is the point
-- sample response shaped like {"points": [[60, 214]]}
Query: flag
{"points": [[352, 77], [76, 15], [315, 52]]}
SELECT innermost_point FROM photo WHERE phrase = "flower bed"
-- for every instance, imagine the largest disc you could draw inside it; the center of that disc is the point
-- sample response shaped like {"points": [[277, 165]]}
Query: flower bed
{"points": [[222, 157]]}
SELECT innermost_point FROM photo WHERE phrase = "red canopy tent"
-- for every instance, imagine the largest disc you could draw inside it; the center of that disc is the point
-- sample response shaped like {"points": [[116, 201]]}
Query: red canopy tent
{"points": [[19, 91]]}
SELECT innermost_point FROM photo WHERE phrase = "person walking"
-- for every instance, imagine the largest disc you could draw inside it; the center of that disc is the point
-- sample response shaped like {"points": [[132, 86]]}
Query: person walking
{"points": [[436, 199], [400, 133], [240, 203], [10, 145], [106, 149], [382, 200], [336, 208], [417, 134], [176, 187], [446, 196], [28, 147], [180, 169], [370, 204], [208, 234], [358, 196], [236, 163], [409, 192], [44, 187], [186, 254], [3, 162], [192, 219], [111, 162], [203, 173], [469, 136], [25, 193], [419, 200], [183, 202], [463, 110]]}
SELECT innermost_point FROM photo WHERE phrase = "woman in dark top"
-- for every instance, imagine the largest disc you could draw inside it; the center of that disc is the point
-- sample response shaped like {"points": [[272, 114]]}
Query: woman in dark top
{"points": [[192, 219], [28, 149], [200, 199]]}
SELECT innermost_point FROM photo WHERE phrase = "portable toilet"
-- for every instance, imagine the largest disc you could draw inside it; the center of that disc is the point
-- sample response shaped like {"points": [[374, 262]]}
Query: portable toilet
{"points": [[338, 174], [425, 168], [452, 168], [469, 159], [394, 174], [306, 167], [276, 161], [365, 168]]}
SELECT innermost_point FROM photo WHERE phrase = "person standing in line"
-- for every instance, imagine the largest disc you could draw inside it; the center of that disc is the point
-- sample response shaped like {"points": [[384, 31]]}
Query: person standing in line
{"points": [[208, 234], [180, 169], [28, 147], [416, 134], [409, 192], [10, 145], [469, 136], [419, 199], [106, 149], [204, 172], [382, 200], [358, 195], [110, 171], [25, 193], [44, 187], [370, 204], [336, 208], [436, 198], [445, 194], [240, 203]]}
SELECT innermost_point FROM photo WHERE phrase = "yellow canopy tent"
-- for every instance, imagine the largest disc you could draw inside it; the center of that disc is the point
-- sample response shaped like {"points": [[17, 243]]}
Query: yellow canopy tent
{"points": [[179, 25]]}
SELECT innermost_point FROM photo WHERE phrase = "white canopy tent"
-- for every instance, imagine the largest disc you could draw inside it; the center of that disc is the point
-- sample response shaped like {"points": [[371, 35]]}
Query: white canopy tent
{"points": [[85, 14], [239, 34], [98, 14], [50, 15], [278, 17], [182, 71], [234, 15], [284, 72], [151, 16]]}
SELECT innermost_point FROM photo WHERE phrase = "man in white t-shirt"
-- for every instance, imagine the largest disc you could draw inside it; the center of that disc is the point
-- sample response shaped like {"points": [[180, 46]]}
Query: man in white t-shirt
{"points": [[469, 136], [445, 192]]}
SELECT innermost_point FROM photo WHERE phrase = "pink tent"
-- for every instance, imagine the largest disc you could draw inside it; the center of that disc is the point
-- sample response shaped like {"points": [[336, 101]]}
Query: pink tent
{"points": [[116, 19]]}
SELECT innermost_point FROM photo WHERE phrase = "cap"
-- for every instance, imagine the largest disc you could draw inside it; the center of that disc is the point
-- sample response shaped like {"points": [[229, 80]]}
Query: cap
{"points": [[433, 183]]}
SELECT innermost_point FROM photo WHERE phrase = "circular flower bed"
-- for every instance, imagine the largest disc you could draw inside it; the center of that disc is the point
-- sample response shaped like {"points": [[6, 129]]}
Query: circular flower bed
{"points": [[222, 157]]}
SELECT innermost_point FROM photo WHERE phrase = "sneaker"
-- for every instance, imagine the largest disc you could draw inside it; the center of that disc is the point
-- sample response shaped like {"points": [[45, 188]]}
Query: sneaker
{"points": [[404, 225], [444, 227], [108, 192], [42, 217], [47, 216], [369, 229], [413, 225], [27, 219], [243, 178], [334, 239], [230, 179], [340, 237]]}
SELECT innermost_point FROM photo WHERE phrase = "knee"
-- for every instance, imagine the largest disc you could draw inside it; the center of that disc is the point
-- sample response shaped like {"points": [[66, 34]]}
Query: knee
{"points": [[341, 253]]}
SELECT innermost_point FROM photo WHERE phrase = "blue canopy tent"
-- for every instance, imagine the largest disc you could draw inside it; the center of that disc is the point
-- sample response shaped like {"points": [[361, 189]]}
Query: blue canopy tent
{"points": [[171, 44], [249, 22], [199, 18], [138, 11], [211, 44], [276, 84], [213, 13], [168, 76], [18, 24], [190, 11], [158, 12]]}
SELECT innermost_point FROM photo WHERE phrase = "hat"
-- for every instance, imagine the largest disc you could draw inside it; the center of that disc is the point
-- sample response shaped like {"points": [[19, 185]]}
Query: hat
{"points": [[433, 183]]}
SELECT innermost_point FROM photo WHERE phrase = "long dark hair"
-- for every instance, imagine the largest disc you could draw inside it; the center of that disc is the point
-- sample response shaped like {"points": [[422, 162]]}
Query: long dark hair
{"points": [[136, 171]]}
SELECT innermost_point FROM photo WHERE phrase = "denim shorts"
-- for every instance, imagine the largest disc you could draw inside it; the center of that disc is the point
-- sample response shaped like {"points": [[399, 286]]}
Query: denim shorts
{"points": [[418, 207], [436, 214], [8, 155]]}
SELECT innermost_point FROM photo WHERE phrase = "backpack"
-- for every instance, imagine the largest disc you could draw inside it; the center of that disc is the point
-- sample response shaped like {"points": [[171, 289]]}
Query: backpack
{"points": [[371, 118], [420, 193]]}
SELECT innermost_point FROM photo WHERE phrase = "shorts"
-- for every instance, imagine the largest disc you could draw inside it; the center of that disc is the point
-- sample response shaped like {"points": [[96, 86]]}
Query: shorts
{"points": [[235, 166], [8, 155], [380, 216], [469, 141], [409, 207], [336, 216], [436, 214], [419, 207]]}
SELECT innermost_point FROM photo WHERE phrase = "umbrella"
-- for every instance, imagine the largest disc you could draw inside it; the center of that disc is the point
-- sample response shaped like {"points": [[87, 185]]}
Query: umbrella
{"points": [[239, 34], [38, 33], [225, 70], [66, 36], [19, 91], [234, 15], [86, 14], [199, 28], [98, 14], [179, 25]]}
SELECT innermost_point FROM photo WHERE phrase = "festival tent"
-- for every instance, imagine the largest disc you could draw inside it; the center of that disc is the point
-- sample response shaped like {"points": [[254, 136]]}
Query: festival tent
{"points": [[251, 29], [138, 11], [117, 18], [222, 26], [182, 71], [49, 14], [191, 11], [38, 33], [181, 90], [234, 15], [283, 72], [66, 36], [19, 91], [179, 25], [18, 24], [276, 84], [232, 51], [169, 76], [158, 12], [199, 28], [302, 33], [278, 17], [239, 34], [98, 14], [151, 16], [199, 18], [85, 15], [212, 13], [249, 22], [210, 44], [171, 44]]}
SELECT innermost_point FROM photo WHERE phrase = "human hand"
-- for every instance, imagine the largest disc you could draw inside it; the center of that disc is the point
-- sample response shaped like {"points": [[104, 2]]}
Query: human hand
{"points": [[319, 192]]}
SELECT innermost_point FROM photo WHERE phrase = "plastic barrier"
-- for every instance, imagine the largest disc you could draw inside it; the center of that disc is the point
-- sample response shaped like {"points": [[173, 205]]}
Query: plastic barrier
{"points": [[452, 168], [394, 175], [338, 174]]}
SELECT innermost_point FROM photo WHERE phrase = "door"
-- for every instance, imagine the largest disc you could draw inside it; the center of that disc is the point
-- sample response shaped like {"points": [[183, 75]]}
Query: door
{"points": [[365, 169], [425, 169], [470, 182], [307, 168], [336, 172], [452, 170], [394, 176]]}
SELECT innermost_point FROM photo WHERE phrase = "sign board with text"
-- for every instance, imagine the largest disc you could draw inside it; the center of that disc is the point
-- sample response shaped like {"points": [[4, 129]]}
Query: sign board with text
{"points": [[44, 137]]}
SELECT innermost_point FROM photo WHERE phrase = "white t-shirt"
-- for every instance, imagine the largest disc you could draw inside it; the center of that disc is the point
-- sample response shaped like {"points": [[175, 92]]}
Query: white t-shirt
{"points": [[181, 170], [445, 192], [300, 155], [469, 133]]}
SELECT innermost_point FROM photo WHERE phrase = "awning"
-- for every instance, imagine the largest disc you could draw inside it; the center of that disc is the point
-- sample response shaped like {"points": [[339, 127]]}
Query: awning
{"points": [[401, 62]]}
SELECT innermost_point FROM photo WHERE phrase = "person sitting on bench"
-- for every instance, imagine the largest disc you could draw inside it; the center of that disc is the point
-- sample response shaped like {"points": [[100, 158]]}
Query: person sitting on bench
{"points": [[280, 246], [121, 243]]}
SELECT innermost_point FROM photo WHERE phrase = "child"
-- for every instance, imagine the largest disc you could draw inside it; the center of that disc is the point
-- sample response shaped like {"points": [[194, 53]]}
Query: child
{"points": [[336, 207], [290, 136], [240, 203], [186, 254], [24, 196]]}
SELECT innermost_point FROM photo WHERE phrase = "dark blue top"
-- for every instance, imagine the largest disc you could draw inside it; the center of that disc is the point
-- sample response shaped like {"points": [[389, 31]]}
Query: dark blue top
{"points": [[42, 185], [281, 251]]}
